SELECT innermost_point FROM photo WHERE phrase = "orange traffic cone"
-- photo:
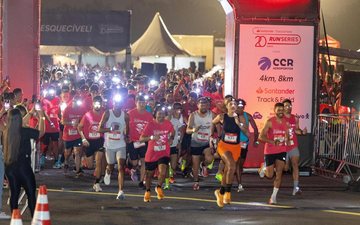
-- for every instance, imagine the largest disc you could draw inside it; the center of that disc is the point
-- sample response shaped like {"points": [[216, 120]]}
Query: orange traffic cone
{"points": [[42, 214], [16, 217]]}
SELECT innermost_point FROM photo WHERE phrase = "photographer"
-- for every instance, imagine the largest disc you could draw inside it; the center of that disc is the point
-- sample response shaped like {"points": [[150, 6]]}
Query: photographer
{"points": [[17, 151]]}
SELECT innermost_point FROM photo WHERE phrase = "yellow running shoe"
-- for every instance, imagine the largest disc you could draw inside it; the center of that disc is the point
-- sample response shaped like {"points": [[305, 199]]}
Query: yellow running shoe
{"points": [[219, 177], [183, 165], [211, 165], [160, 193], [227, 198], [147, 196], [219, 198]]}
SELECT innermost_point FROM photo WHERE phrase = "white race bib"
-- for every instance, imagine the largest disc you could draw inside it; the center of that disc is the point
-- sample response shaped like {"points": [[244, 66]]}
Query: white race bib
{"points": [[94, 135], [230, 137], [203, 137], [158, 148], [73, 132], [115, 136]]}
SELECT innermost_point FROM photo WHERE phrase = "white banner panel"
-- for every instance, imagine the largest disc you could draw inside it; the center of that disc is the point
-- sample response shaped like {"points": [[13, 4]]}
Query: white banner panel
{"points": [[275, 63]]}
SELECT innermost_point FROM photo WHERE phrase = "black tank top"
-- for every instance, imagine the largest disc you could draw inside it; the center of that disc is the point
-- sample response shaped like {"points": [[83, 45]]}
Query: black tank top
{"points": [[231, 131]]}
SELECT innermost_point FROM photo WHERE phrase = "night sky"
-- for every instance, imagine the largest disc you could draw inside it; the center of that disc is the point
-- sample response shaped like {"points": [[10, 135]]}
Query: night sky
{"points": [[207, 17]]}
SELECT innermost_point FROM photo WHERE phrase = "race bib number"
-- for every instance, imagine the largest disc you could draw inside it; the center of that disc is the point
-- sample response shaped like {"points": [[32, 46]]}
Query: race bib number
{"points": [[243, 144], [158, 148], [115, 136], [94, 135], [230, 137], [203, 137], [73, 132], [281, 139], [138, 144]]}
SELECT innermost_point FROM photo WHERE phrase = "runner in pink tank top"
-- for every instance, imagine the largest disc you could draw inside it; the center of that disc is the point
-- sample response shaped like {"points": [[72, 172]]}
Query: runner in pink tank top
{"points": [[275, 137]]}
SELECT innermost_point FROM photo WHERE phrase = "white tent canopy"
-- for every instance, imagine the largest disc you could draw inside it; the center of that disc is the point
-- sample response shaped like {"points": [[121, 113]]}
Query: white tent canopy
{"points": [[156, 41], [64, 50]]}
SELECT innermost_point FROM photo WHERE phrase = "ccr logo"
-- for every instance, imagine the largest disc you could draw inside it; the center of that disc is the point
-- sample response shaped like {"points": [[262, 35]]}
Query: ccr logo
{"points": [[278, 64], [264, 63]]}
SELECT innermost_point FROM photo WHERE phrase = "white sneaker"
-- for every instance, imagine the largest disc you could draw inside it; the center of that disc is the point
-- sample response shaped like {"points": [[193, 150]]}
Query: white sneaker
{"points": [[296, 191], [121, 195], [272, 201], [261, 170], [107, 178], [4, 216], [97, 187], [240, 188]]}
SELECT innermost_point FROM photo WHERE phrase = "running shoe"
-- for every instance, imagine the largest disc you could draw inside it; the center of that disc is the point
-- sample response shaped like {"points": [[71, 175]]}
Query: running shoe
{"points": [[4, 216], [120, 195], [107, 178], [160, 193], [42, 161], [196, 186], [57, 165], [141, 184], [219, 177], [183, 165], [172, 180], [296, 191], [204, 171], [79, 174], [66, 168], [261, 170], [97, 187], [227, 198], [147, 196], [133, 175], [167, 187], [171, 172], [272, 201], [211, 165], [219, 198], [240, 188]]}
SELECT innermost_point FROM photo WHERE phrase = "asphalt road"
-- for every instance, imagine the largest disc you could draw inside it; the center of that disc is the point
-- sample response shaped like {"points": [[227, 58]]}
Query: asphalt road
{"points": [[72, 201]]}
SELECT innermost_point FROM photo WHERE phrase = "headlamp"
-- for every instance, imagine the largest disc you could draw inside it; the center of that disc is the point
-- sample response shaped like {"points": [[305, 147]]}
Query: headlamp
{"points": [[63, 106], [97, 104], [117, 98]]}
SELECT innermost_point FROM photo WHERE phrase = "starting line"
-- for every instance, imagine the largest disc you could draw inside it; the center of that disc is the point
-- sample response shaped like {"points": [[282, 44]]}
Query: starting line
{"points": [[176, 198], [258, 204]]}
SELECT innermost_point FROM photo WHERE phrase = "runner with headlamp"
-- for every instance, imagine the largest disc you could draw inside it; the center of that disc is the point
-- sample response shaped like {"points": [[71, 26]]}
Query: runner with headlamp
{"points": [[159, 133], [70, 119], [114, 127], [138, 119], [93, 140]]}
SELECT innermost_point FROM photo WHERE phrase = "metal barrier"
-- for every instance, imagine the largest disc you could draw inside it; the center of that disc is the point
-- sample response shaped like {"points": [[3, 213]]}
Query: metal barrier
{"points": [[337, 146]]}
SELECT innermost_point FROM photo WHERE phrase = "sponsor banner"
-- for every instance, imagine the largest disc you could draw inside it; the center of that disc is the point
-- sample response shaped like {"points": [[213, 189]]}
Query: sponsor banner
{"points": [[276, 63], [103, 29]]}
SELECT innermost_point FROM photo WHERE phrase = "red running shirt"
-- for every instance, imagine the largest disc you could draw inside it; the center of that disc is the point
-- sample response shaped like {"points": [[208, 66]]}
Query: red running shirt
{"points": [[277, 132], [90, 122], [160, 148], [137, 123], [52, 109], [73, 115]]}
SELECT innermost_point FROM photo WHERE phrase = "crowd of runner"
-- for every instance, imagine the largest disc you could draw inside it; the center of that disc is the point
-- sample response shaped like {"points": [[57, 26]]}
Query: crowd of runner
{"points": [[105, 119]]}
